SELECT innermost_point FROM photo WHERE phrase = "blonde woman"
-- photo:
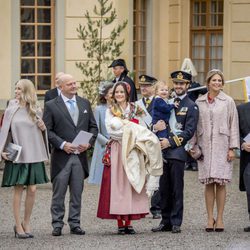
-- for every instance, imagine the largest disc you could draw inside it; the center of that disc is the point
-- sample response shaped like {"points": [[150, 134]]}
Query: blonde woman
{"points": [[21, 121], [217, 136]]}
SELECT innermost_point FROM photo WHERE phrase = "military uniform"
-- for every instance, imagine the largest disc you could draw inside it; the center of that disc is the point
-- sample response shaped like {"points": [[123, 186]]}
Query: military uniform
{"points": [[125, 78], [172, 180], [147, 105]]}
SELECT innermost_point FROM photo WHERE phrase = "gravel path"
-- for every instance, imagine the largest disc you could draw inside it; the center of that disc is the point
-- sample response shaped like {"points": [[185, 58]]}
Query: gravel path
{"points": [[101, 234]]}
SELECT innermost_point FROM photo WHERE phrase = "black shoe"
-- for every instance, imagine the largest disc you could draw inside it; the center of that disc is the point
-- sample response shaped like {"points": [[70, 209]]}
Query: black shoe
{"points": [[57, 231], [129, 230], [20, 236], [247, 229], [176, 229], [162, 228], [156, 216], [194, 167], [188, 167], [121, 230], [77, 230]]}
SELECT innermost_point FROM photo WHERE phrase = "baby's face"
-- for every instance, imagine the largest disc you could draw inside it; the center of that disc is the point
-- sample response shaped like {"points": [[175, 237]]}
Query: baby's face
{"points": [[163, 91]]}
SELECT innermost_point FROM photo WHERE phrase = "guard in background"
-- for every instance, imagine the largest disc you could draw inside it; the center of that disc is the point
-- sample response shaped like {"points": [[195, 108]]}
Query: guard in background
{"points": [[146, 103], [172, 180], [121, 74]]}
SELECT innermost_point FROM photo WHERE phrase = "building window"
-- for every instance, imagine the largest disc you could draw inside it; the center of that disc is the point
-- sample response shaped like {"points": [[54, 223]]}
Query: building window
{"points": [[139, 38], [37, 42], [206, 36]]}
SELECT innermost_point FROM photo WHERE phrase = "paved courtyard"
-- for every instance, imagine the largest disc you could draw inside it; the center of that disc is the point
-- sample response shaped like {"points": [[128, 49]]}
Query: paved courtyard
{"points": [[101, 234]]}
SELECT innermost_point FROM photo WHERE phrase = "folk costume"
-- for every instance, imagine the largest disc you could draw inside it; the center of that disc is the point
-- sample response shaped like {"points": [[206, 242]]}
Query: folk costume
{"points": [[123, 195]]}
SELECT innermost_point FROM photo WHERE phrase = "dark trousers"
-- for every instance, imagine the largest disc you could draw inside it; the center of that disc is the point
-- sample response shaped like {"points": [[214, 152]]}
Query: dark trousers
{"points": [[71, 175], [171, 190], [155, 203], [246, 176]]}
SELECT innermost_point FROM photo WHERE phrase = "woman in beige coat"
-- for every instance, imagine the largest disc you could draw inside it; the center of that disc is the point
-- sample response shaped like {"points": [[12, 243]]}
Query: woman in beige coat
{"points": [[217, 136], [23, 126]]}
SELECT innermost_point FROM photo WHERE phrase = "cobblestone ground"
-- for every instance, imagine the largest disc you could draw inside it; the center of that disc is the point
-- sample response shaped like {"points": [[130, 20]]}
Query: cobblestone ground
{"points": [[101, 234]]}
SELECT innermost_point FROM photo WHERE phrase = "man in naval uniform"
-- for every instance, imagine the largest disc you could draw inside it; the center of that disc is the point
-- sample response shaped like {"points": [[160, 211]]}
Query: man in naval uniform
{"points": [[146, 103], [172, 180]]}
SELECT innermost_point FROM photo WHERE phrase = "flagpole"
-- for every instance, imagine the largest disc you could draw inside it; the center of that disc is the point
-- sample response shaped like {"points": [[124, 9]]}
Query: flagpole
{"points": [[229, 81]]}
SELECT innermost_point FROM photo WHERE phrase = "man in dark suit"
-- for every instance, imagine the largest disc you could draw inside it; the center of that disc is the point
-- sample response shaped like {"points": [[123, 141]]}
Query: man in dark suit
{"points": [[244, 123], [55, 92], [172, 180], [65, 116], [146, 103], [121, 74]]}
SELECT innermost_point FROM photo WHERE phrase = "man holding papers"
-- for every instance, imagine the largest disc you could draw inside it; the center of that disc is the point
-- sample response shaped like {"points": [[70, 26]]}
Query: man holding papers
{"points": [[65, 116], [244, 122]]}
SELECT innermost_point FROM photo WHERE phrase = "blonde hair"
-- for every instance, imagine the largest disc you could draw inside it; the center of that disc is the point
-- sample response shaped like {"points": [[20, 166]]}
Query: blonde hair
{"points": [[28, 96], [158, 84], [213, 72]]}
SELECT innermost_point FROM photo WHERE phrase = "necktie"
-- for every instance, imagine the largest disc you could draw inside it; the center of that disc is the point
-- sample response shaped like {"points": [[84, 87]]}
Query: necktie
{"points": [[147, 101], [72, 108]]}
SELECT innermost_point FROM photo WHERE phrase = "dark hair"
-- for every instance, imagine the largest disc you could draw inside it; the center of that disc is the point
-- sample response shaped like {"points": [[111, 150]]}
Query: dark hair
{"points": [[102, 99], [124, 85]]}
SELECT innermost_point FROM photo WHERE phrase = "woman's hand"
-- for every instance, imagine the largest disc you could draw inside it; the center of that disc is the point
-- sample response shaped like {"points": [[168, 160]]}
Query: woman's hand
{"points": [[5, 156], [40, 124], [192, 153], [230, 155]]}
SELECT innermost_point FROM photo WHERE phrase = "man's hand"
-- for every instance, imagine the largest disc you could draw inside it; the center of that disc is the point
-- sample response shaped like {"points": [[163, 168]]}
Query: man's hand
{"points": [[69, 148], [246, 146], [83, 147], [164, 143], [159, 126]]}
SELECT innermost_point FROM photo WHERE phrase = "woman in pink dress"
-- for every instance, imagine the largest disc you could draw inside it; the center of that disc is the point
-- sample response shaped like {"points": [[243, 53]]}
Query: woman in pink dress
{"points": [[118, 199], [217, 136]]}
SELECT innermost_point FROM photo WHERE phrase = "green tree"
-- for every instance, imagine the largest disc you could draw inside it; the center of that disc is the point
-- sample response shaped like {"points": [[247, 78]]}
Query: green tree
{"points": [[100, 51]]}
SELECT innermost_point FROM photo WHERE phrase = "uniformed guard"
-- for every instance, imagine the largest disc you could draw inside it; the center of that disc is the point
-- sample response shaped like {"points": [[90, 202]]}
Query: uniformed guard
{"points": [[120, 71], [172, 180], [146, 103]]}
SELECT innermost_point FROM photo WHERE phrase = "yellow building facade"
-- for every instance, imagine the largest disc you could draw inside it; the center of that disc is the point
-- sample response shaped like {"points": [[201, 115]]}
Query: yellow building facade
{"points": [[159, 35]]}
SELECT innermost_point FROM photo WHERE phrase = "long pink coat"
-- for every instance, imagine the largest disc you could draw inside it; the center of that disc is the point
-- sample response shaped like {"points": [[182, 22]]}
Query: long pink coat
{"points": [[217, 131]]}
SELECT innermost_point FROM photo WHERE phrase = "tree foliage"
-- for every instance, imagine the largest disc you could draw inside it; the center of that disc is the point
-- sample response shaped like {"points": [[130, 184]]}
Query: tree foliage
{"points": [[100, 49]]}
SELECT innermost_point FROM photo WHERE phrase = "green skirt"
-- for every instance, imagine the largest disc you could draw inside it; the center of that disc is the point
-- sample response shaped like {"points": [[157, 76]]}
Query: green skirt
{"points": [[24, 174]]}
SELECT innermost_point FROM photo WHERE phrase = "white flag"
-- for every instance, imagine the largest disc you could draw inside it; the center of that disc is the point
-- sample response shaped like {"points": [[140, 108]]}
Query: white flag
{"points": [[247, 89]]}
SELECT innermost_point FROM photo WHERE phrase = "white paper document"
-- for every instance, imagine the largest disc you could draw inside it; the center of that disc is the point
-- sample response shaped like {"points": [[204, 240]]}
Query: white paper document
{"points": [[83, 137], [247, 138]]}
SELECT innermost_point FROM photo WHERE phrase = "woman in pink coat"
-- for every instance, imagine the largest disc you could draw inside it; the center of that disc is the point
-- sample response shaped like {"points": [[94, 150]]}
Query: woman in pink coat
{"points": [[217, 136]]}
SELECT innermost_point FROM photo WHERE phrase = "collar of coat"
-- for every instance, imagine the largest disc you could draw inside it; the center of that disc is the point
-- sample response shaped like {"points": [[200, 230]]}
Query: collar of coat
{"points": [[221, 96]]}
